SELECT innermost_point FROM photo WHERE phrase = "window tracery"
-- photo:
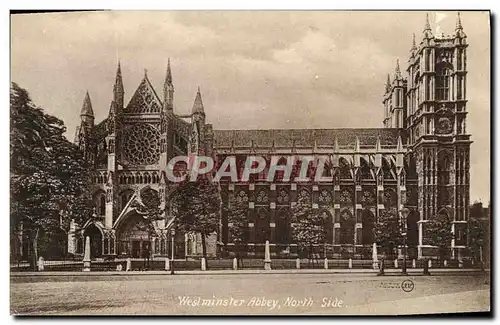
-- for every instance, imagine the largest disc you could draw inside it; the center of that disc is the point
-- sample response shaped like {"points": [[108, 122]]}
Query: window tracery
{"points": [[142, 145]]}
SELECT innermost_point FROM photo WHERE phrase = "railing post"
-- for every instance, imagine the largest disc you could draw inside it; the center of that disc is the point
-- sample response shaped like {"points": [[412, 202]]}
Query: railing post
{"points": [[167, 264], [203, 264]]}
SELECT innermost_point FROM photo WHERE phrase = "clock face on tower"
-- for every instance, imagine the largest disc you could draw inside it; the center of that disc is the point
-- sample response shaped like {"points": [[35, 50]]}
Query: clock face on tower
{"points": [[444, 125], [142, 144]]}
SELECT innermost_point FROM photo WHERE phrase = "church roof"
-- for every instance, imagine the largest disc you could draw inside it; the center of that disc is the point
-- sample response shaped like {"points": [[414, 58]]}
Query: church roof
{"points": [[306, 137]]}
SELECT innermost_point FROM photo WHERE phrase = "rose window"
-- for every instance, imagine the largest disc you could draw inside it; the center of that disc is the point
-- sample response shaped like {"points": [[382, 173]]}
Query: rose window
{"points": [[142, 144]]}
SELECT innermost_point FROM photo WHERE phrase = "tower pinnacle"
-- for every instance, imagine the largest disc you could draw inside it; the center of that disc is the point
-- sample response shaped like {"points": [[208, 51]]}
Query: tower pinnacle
{"points": [[118, 91], [427, 29], [168, 78], [413, 44], [459, 22], [388, 84], [168, 89], [459, 30], [397, 72], [198, 103], [87, 107]]}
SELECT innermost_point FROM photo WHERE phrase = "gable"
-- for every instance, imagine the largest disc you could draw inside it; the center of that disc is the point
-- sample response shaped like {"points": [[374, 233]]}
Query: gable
{"points": [[144, 100]]}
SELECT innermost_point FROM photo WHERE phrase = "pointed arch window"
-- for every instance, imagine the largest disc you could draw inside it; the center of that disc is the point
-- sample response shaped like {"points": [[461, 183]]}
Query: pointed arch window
{"points": [[443, 75], [100, 204], [345, 169]]}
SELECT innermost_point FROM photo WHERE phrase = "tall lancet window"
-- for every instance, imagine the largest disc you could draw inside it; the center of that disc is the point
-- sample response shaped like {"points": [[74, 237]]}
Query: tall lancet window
{"points": [[443, 73]]}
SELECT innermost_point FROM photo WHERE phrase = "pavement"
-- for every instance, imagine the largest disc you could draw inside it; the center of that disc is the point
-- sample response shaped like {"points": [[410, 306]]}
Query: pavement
{"points": [[269, 293], [388, 272]]}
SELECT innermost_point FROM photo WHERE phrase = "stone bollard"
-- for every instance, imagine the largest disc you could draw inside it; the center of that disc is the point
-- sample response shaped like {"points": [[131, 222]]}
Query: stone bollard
{"points": [[86, 257], [396, 263], [326, 263], [414, 264], [119, 267], [167, 264], [461, 264], [267, 257], [235, 263], [426, 268], [297, 263], [41, 264], [129, 265], [445, 263], [203, 264], [350, 263]]}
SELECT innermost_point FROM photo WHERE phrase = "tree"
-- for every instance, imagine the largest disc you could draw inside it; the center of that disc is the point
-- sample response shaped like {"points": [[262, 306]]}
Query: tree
{"points": [[438, 233], [150, 209], [48, 176], [237, 217], [307, 226], [198, 207], [477, 231], [387, 231]]}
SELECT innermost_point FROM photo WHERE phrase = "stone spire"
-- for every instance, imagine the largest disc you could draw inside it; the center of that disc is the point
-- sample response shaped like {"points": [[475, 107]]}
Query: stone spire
{"points": [[459, 30], [168, 89], [198, 104], [168, 78], [397, 72], [118, 91], [87, 107], [427, 29], [413, 44], [459, 22], [388, 84]]}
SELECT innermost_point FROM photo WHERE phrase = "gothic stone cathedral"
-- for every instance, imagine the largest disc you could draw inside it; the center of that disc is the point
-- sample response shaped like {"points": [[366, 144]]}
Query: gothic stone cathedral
{"points": [[418, 160]]}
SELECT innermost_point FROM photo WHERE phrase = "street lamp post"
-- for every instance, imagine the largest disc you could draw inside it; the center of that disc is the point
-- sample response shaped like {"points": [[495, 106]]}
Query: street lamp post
{"points": [[172, 233], [404, 231]]}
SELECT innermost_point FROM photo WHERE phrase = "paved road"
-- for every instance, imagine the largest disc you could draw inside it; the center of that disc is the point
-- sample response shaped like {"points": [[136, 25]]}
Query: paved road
{"points": [[248, 294]]}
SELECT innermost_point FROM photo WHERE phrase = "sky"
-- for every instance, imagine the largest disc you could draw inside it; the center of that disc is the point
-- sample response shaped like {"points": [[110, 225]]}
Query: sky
{"points": [[256, 70]]}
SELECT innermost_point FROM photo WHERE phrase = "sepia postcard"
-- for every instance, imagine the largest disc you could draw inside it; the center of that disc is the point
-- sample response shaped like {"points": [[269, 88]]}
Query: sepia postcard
{"points": [[250, 163]]}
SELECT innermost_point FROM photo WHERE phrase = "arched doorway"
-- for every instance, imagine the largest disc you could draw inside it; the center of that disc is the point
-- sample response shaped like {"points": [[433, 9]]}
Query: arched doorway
{"points": [[134, 236], [95, 240]]}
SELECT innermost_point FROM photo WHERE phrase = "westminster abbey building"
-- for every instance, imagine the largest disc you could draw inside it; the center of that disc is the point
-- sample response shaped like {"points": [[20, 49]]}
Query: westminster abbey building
{"points": [[418, 160]]}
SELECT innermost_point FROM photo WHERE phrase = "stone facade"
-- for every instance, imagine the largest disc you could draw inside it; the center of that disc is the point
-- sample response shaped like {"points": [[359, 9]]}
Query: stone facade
{"points": [[418, 160]]}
